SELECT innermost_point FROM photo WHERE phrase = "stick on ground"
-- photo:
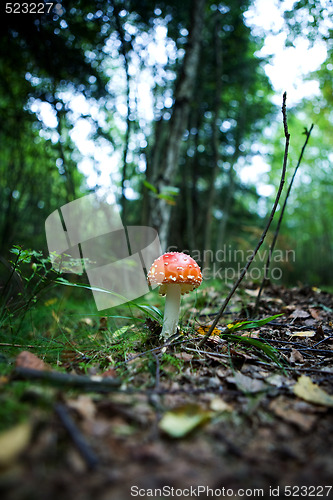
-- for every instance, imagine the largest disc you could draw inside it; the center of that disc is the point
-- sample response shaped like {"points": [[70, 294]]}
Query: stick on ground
{"points": [[249, 262], [65, 380], [77, 437]]}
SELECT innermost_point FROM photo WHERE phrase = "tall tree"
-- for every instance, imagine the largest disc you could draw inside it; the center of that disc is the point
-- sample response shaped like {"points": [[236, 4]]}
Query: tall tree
{"points": [[164, 173]]}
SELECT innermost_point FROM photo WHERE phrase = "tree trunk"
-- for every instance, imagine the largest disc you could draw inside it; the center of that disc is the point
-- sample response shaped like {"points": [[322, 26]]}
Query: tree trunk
{"points": [[228, 201], [215, 136], [124, 52], [226, 207], [68, 173], [167, 169]]}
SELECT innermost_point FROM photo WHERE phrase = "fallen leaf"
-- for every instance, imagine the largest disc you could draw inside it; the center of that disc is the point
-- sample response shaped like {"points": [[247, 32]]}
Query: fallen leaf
{"points": [[310, 323], [305, 333], [320, 335], [277, 380], [86, 321], [299, 313], [111, 372], [29, 360], [275, 300], [251, 335], [286, 410], [184, 356], [252, 293], [314, 313], [219, 357], [181, 421], [296, 357], [84, 406], [13, 442], [311, 392], [247, 384], [219, 405]]}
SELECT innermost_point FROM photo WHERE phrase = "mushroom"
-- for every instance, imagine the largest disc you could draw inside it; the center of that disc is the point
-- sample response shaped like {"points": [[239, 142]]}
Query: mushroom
{"points": [[176, 273]]}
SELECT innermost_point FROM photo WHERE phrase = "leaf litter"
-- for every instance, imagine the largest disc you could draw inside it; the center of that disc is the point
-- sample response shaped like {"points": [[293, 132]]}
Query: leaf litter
{"points": [[228, 414]]}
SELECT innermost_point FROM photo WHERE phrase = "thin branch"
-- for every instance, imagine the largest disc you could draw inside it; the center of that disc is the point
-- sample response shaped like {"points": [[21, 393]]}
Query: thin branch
{"points": [[77, 437], [249, 262], [157, 373], [271, 250], [67, 380], [324, 340]]}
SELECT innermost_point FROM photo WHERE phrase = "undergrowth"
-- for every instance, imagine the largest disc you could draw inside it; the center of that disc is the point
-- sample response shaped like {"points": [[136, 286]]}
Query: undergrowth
{"points": [[56, 319]]}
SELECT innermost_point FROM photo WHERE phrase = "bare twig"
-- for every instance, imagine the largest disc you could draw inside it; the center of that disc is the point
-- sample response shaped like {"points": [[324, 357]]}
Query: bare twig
{"points": [[157, 373], [77, 437], [66, 380], [160, 349], [271, 250], [249, 262], [324, 340], [155, 401], [324, 352]]}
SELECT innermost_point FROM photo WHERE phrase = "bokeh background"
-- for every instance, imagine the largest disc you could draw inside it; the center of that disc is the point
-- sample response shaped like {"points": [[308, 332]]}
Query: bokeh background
{"points": [[172, 111]]}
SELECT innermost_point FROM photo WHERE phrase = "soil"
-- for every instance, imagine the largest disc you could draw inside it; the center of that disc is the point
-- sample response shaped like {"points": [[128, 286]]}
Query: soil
{"points": [[259, 429]]}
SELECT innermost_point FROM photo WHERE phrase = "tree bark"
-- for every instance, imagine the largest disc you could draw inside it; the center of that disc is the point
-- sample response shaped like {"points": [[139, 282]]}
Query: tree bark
{"points": [[68, 173], [124, 52], [228, 201], [215, 136], [168, 167]]}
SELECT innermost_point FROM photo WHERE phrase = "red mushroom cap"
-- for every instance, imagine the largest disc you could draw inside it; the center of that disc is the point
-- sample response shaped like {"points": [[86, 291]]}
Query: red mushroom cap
{"points": [[175, 268]]}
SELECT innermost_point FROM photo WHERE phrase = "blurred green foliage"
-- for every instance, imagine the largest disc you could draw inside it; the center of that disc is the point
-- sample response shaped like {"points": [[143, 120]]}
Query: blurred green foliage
{"points": [[103, 54]]}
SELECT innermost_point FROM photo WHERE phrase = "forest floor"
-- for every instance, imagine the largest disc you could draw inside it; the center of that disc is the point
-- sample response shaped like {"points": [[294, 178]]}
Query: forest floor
{"points": [[219, 421]]}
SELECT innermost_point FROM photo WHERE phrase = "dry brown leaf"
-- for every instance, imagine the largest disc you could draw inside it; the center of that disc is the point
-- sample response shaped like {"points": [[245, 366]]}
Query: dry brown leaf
{"points": [[29, 360], [219, 357], [253, 334], [285, 409], [110, 373], [299, 313], [84, 406], [296, 357], [184, 356], [314, 313]]}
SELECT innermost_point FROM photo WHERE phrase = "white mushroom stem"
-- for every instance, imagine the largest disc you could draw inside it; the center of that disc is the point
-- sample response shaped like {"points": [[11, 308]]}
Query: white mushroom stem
{"points": [[171, 310]]}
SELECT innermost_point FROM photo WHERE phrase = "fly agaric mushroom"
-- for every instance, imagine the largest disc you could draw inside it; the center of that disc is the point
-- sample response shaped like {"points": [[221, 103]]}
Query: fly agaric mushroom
{"points": [[176, 273]]}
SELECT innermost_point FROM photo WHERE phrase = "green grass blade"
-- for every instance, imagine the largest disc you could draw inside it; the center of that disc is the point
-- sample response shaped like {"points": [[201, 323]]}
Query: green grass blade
{"points": [[244, 325], [270, 351], [151, 311]]}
